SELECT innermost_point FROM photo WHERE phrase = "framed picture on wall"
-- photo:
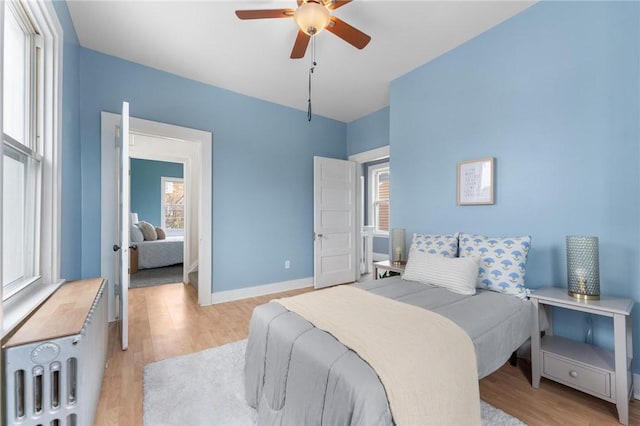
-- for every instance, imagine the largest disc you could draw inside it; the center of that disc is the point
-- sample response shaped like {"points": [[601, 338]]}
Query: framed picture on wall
{"points": [[475, 182]]}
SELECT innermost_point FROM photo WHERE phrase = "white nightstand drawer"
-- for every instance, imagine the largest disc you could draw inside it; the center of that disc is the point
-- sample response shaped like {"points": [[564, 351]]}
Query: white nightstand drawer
{"points": [[576, 374]]}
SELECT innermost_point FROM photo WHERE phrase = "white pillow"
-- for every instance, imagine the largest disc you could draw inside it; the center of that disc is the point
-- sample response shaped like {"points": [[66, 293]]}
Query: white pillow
{"points": [[457, 274], [135, 234]]}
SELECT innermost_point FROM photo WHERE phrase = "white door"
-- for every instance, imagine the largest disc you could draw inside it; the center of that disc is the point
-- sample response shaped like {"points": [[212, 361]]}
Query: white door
{"points": [[334, 221], [121, 247]]}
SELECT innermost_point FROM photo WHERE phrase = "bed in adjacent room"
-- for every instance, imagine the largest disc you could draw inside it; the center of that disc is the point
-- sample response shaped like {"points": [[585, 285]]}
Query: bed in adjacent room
{"points": [[297, 373], [154, 249], [160, 253]]}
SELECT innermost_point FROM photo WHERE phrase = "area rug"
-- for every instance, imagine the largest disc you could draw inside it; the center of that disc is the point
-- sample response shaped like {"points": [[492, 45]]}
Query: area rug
{"points": [[156, 276], [207, 389]]}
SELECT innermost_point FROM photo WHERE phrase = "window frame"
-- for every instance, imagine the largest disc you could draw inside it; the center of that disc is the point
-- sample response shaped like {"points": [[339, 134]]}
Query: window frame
{"points": [[47, 127], [32, 183], [373, 171], [163, 224]]}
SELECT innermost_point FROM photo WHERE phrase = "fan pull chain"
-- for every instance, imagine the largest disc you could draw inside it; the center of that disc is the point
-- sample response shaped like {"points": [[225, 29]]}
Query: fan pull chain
{"points": [[313, 67]]}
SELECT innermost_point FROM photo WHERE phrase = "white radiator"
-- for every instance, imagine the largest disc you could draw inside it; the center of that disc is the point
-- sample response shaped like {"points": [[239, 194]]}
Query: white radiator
{"points": [[57, 382]]}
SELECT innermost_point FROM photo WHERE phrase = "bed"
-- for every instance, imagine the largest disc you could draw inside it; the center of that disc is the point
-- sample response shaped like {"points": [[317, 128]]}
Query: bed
{"points": [[160, 253], [497, 323], [296, 373]]}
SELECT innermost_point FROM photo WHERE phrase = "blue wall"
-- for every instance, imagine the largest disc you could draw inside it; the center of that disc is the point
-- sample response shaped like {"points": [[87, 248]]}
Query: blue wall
{"points": [[368, 132], [70, 247], [262, 166], [553, 95], [146, 187]]}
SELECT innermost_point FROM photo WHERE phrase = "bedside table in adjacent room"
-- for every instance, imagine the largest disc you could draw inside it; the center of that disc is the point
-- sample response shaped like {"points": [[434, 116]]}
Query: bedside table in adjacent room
{"points": [[133, 259], [600, 372], [387, 265]]}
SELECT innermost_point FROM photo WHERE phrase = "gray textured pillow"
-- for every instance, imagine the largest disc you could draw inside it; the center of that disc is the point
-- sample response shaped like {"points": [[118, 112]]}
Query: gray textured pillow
{"points": [[161, 234], [148, 230]]}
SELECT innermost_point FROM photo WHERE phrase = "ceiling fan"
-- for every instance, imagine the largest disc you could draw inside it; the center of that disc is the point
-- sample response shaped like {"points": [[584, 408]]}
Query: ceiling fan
{"points": [[312, 16]]}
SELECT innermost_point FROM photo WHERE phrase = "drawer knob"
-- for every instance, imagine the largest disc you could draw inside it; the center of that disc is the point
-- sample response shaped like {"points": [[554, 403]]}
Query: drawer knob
{"points": [[573, 373]]}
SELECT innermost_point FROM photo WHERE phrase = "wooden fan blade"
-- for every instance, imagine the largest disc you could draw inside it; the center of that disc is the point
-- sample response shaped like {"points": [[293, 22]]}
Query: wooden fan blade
{"points": [[300, 46], [265, 13], [334, 4], [350, 34]]}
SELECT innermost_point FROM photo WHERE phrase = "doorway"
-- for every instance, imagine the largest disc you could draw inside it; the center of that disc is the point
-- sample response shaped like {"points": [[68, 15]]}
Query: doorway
{"points": [[162, 194], [177, 141], [364, 233]]}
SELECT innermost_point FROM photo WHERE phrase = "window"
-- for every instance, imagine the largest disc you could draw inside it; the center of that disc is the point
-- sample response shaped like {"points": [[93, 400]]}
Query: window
{"points": [[22, 163], [19, 188], [30, 173], [379, 198], [173, 205]]}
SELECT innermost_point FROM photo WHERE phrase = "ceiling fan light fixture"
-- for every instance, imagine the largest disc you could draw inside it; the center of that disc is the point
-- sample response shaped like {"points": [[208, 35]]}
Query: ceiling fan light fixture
{"points": [[312, 17]]}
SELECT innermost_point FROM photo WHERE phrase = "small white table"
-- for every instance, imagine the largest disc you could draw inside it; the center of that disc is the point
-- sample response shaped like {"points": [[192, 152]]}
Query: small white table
{"points": [[602, 373], [387, 265]]}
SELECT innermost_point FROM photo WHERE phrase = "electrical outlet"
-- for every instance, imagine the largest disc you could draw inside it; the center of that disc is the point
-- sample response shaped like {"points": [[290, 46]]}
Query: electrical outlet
{"points": [[287, 264]]}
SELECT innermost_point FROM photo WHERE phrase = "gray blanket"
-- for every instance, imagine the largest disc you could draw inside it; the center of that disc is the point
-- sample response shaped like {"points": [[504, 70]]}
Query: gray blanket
{"points": [[297, 374]]}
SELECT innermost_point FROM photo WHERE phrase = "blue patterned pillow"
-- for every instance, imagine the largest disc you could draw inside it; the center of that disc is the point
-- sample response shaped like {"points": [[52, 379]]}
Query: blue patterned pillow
{"points": [[446, 245], [503, 261]]}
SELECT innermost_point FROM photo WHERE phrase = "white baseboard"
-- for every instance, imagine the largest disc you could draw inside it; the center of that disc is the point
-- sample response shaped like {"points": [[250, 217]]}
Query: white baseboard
{"points": [[636, 384], [260, 290]]}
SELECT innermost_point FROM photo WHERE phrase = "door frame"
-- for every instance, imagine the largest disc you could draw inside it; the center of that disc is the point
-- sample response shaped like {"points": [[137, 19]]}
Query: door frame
{"points": [[156, 148], [204, 141], [361, 158]]}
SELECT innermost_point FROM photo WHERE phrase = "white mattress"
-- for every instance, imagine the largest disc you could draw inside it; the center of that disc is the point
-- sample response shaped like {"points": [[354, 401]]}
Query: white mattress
{"points": [[156, 254]]}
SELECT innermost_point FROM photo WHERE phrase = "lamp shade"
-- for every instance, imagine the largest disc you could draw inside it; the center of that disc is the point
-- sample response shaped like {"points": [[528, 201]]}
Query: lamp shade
{"points": [[583, 267], [398, 252], [311, 17]]}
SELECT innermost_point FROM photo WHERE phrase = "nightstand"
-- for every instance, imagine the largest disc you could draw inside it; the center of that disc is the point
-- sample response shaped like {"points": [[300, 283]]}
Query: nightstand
{"points": [[387, 265], [133, 259], [600, 372]]}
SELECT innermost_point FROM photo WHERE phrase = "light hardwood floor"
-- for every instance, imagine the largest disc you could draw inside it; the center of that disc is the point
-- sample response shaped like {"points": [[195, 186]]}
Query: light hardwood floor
{"points": [[166, 321]]}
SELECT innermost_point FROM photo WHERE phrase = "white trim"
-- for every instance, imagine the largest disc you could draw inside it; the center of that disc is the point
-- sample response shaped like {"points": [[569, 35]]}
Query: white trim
{"points": [[260, 290], [636, 389], [371, 155], [52, 173], [1, 183], [202, 141], [205, 220]]}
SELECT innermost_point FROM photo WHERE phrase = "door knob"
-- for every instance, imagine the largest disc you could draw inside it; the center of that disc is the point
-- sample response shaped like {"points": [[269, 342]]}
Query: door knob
{"points": [[116, 247]]}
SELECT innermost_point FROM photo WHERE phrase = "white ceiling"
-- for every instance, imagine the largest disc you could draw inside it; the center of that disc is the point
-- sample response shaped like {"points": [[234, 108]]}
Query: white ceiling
{"points": [[206, 42]]}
